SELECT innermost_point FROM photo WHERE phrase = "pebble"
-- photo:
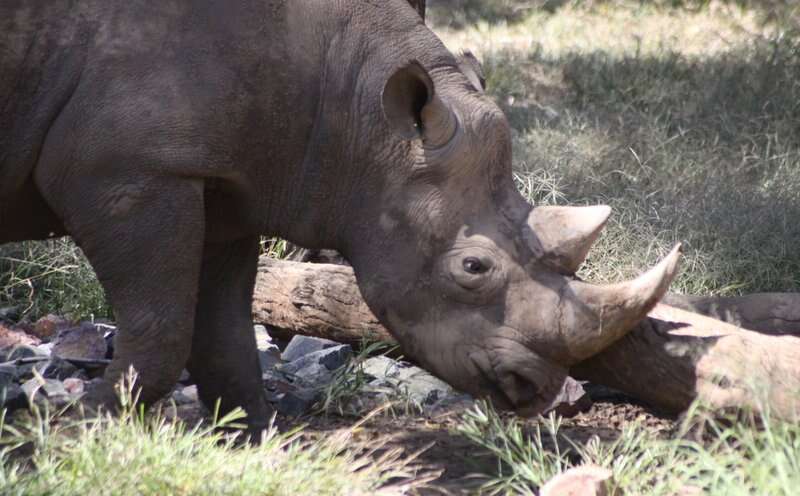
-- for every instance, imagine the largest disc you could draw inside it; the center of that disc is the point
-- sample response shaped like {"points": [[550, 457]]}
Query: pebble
{"points": [[83, 342], [300, 346]]}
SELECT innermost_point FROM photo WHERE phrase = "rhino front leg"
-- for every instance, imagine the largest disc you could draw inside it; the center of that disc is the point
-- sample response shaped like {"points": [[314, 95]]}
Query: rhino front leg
{"points": [[144, 239], [224, 360]]}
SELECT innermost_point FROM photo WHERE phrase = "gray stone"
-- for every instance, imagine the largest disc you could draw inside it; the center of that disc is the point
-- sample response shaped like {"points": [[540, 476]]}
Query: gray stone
{"points": [[45, 348], [269, 358], [263, 339], [296, 403], [20, 351], [109, 335], [407, 380], [185, 395], [51, 388], [331, 358], [304, 345], [55, 368], [313, 375], [185, 378], [9, 314], [83, 342], [8, 375], [12, 397]]}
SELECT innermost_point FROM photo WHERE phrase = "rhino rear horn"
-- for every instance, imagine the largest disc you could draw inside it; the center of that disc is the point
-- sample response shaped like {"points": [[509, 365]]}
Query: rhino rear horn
{"points": [[414, 110], [564, 235]]}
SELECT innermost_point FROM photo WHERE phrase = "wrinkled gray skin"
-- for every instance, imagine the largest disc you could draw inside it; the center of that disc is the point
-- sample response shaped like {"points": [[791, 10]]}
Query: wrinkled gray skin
{"points": [[165, 137]]}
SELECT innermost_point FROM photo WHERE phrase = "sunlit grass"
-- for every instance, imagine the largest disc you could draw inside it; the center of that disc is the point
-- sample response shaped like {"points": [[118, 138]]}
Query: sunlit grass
{"points": [[136, 453], [732, 456]]}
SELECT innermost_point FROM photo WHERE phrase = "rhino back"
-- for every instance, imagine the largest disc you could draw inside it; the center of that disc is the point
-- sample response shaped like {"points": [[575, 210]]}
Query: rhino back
{"points": [[255, 96]]}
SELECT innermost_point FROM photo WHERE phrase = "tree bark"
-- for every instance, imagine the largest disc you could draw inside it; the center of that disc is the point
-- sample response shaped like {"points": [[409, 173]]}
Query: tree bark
{"points": [[320, 300], [672, 358], [768, 313]]}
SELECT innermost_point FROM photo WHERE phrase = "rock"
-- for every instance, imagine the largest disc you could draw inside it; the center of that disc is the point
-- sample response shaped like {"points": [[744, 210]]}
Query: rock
{"points": [[73, 385], [45, 348], [191, 392], [185, 378], [185, 395], [571, 400], [585, 480], [9, 314], [20, 351], [269, 355], [12, 337], [316, 368], [8, 375], [51, 388], [49, 325], [269, 359], [263, 339], [12, 397], [296, 403], [109, 334], [55, 368], [304, 345], [416, 384], [83, 342]]}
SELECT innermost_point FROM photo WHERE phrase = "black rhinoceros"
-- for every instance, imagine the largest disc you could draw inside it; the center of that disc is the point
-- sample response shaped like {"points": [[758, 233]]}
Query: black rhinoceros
{"points": [[166, 136]]}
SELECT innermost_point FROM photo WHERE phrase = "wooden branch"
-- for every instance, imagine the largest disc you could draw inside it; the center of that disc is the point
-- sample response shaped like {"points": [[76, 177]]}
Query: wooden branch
{"points": [[319, 300], [768, 313], [674, 357], [668, 361]]}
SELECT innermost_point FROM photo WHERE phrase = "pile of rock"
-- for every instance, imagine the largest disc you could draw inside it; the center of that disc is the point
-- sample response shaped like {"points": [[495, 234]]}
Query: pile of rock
{"points": [[311, 370], [53, 359]]}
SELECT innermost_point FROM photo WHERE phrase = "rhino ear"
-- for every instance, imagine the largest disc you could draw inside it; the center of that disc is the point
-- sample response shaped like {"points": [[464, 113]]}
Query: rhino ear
{"points": [[406, 93], [413, 110]]}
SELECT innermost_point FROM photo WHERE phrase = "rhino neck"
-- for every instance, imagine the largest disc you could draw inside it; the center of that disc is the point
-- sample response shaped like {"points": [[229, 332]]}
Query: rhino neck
{"points": [[352, 162]]}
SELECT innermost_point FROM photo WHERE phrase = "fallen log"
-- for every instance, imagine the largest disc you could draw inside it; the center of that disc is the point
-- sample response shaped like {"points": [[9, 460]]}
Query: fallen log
{"points": [[672, 358], [768, 313], [320, 300]]}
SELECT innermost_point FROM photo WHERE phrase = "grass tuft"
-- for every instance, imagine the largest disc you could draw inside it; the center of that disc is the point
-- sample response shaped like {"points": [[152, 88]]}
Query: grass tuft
{"points": [[735, 456], [50, 277], [136, 453]]}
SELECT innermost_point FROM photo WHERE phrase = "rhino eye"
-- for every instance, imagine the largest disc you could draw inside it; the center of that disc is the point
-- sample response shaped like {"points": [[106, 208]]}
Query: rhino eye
{"points": [[474, 266]]}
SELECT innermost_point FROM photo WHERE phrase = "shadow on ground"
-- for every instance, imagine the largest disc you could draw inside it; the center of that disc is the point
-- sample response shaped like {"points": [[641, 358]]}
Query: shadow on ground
{"points": [[706, 151]]}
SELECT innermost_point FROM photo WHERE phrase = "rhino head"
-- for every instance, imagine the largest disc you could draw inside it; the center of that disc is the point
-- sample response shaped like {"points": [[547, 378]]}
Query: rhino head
{"points": [[475, 283]]}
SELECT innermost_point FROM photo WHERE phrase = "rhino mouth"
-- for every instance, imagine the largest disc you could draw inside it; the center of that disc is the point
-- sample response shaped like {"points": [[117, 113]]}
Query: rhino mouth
{"points": [[525, 390]]}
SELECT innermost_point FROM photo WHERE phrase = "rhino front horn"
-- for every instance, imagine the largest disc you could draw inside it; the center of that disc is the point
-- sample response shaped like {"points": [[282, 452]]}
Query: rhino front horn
{"points": [[565, 234], [593, 317]]}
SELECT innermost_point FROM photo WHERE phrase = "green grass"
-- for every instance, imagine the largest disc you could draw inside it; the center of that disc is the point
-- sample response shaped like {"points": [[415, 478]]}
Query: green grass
{"points": [[345, 394], [684, 121], [135, 454], [733, 456], [50, 277]]}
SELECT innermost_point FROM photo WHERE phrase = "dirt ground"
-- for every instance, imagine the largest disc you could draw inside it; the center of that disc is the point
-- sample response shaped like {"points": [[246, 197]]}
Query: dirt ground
{"points": [[463, 465]]}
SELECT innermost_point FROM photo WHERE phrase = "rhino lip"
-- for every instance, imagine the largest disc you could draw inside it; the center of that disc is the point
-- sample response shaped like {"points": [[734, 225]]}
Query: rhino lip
{"points": [[493, 384]]}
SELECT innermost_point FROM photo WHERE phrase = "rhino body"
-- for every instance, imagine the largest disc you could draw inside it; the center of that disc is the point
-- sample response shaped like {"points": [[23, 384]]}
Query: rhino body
{"points": [[166, 137]]}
